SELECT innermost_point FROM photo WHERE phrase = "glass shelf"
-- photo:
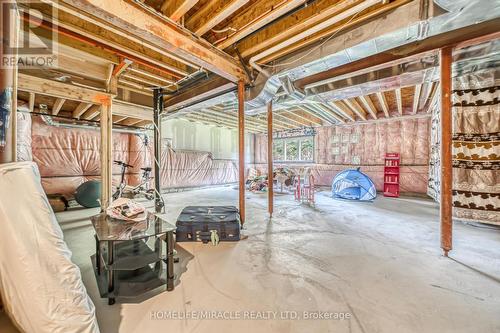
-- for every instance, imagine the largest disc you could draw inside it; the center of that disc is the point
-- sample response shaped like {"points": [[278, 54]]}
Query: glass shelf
{"points": [[131, 283], [131, 255]]}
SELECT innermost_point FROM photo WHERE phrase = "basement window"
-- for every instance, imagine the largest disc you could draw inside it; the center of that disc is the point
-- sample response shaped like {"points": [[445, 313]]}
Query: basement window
{"points": [[299, 149]]}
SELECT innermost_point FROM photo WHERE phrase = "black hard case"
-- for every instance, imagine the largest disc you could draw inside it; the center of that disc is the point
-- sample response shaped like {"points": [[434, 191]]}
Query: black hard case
{"points": [[196, 222]]}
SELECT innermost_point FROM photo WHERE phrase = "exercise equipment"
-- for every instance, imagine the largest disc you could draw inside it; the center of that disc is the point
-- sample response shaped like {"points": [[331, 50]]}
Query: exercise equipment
{"points": [[119, 189], [144, 187], [88, 194]]}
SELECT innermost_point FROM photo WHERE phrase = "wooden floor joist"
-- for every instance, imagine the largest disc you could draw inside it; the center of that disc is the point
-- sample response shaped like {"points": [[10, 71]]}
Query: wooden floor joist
{"points": [[163, 33], [61, 90]]}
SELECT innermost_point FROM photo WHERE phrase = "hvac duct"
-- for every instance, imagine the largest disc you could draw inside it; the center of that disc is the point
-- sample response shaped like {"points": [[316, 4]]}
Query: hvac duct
{"points": [[459, 16]]}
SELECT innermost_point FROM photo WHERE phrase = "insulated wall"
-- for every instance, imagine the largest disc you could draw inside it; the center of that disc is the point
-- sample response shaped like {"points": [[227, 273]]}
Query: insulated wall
{"points": [[69, 156], [364, 145], [220, 142], [476, 148]]}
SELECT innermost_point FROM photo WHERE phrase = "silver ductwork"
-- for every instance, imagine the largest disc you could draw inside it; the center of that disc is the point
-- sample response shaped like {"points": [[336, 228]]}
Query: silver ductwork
{"points": [[49, 120], [451, 5], [460, 14]]}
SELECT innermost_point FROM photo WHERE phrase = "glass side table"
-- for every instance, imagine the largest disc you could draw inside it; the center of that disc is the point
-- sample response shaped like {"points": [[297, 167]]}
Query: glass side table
{"points": [[129, 259]]}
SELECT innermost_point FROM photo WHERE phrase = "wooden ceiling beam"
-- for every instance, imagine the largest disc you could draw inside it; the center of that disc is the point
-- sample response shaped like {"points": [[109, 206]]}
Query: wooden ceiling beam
{"points": [[214, 12], [141, 22], [130, 122], [383, 103], [277, 123], [411, 48], [117, 119], [225, 115], [91, 113], [296, 27], [143, 123], [141, 80], [263, 122], [309, 120], [261, 13], [31, 101], [121, 67], [89, 36], [433, 96], [201, 91], [137, 70], [59, 102], [313, 113], [109, 76], [333, 29], [399, 101], [416, 98], [60, 90], [344, 110], [130, 110], [176, 9], [288, 119], [332, 112], [81, 67], [368, 104], [126, 86], [219, 118], [196, 118], [355, 107], [134, 84], [80, 109]]}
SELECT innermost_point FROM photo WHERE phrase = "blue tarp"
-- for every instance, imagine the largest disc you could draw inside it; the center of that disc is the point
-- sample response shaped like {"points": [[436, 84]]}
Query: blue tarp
{"points": [[352, 184]]}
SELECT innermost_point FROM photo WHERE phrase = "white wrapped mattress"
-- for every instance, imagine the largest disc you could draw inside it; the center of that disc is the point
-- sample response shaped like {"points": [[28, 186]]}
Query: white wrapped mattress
{"points": [[42, 289]]}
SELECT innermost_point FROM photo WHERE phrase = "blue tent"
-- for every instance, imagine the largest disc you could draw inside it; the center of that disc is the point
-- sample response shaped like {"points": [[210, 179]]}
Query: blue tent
{"points": [[353, 185]]}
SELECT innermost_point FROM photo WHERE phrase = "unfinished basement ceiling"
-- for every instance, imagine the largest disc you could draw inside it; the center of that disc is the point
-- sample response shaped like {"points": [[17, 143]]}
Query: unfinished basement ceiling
{"points": [[282, 49], [310, 80]]}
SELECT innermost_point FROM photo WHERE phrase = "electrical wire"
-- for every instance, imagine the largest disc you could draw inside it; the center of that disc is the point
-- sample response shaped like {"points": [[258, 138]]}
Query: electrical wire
{"points": [[224, 30]]}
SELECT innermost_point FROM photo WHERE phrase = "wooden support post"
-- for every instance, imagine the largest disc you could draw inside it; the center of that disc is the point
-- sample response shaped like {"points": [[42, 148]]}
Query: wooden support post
{"points": [[8, 82], [106, 153], [446, 145], [270, 171], [241, 144]]}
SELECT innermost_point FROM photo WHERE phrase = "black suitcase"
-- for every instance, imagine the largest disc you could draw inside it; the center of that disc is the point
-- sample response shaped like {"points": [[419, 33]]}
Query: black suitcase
{"points": [[198, 223]]}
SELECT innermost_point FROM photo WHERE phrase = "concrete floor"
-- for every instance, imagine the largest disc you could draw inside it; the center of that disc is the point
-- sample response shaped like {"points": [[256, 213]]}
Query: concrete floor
{"points": [[379, 263]]}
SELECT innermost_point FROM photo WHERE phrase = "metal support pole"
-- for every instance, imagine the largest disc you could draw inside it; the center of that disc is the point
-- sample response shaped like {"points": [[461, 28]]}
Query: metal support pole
{"points": [[241, 142], [270, 171], [170, 260], [111, 273], [157, 110], [446, 153]]}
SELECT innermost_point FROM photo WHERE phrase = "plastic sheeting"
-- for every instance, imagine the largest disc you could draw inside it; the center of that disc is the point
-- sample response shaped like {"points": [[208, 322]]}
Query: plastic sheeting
{"points": [[476, 161], [42, 289], [24, 137], [68, 157], [364, 145], [188, 169]]}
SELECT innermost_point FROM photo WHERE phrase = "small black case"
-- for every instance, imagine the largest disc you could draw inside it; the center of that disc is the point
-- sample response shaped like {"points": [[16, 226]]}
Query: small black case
{"points": [[196, 223]]}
